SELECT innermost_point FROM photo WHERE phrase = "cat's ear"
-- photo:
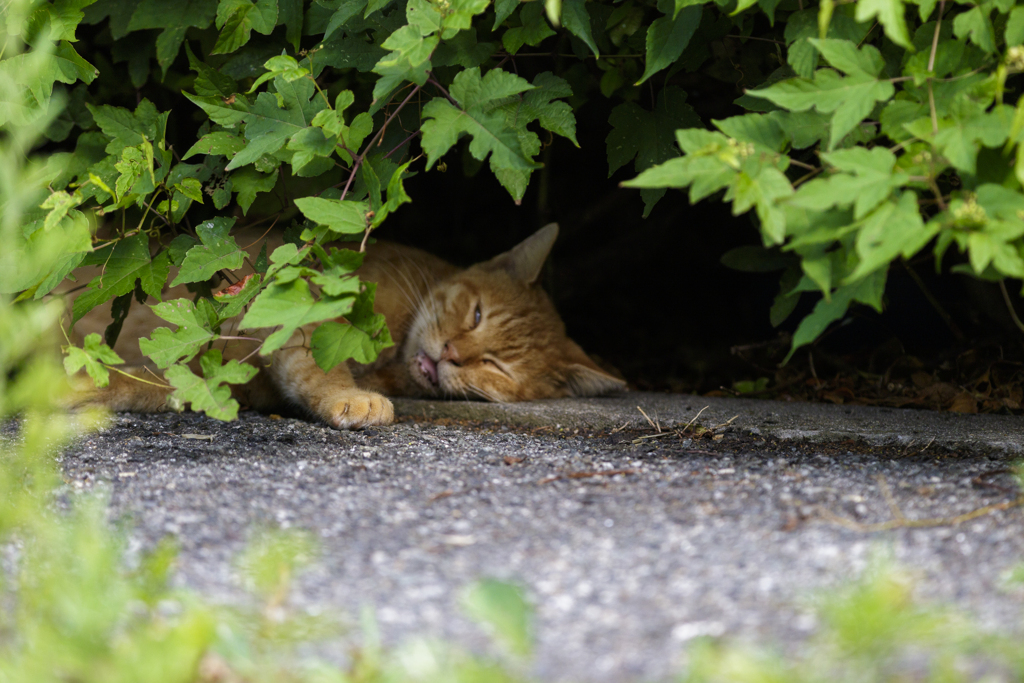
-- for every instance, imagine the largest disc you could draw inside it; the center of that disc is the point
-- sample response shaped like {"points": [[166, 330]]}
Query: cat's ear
{"points": [[584, 377], [525, 260]]}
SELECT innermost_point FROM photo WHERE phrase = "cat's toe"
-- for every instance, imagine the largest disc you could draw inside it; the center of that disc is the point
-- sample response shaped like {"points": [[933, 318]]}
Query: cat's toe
{"points": [[358, 409]]}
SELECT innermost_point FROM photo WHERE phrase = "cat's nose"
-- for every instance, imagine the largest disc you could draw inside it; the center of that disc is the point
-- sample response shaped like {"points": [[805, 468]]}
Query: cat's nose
{"points": [[450, 353]]}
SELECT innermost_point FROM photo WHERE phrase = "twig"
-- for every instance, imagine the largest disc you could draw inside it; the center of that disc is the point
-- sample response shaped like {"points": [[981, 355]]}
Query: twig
{"points": [[694, 419], [919, 523], [585, 475], [619, 429], [643, 438], [656, 427], [725, 424]]}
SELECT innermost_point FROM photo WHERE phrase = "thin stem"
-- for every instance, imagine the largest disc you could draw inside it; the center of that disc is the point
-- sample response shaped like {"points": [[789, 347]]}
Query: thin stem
{"points": [[801, 164], [402, 144], [1009, 306], [733, 35], [254, 339], [440, 87], [931, 67]]}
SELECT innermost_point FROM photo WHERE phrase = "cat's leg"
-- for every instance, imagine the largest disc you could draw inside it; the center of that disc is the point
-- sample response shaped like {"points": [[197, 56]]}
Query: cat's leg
{"points": [[134, 388], [332, 396]]}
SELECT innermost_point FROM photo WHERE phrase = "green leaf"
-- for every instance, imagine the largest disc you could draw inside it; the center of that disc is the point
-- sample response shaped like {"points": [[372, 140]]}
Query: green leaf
{"points": [[129, 129], [503, 608], [444, 124], [761, 129], [344, 217], [409, 60], [868, 290], [93, 356], [895, 229], [960, 137], [869, 180], [284, 66], [848, 58], [1015, 27], [153, 278], [209, 81], [218, 142], [334, 343], [248, 182], [648, 136], [238, 18], [576, 19], [667, 38], [534, 28], [290, 305], [976, 26], [849, 99], [165, 347], [127, 262], [890, 16], [503, 9], [208, 393], [218, 250], [269, 126]]}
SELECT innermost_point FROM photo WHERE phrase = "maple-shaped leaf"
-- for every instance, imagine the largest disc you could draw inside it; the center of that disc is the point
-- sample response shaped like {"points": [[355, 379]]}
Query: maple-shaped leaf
{"points": [[962, 135], [538, 105], [408, 59], [269, 124], [129, 129], [123, 264], [848, 98], [867, 182], [208, 393], [290, 305], [894, 229], [648, 136], [94, 356], [445, 123], [165, 347], [217, 250]]}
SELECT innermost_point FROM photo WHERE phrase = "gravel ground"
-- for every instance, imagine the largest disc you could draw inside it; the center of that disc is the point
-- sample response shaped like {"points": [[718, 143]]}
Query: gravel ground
{"points": [[731, 536]]}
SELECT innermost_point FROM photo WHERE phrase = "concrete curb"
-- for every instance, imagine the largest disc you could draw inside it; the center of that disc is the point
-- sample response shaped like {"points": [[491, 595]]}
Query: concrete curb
{"points": [[776, 419]]}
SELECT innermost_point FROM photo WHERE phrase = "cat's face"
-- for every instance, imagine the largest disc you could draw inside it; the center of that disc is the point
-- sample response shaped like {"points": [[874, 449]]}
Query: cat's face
{"points": [[491, 332]]}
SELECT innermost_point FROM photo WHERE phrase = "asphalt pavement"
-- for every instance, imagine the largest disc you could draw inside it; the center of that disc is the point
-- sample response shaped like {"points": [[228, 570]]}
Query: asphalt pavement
{"points": [[629, 541]]}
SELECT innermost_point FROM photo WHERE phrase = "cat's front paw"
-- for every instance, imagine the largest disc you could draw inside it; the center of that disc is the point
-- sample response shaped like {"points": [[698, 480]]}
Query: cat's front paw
{"points": [[355, 409]]}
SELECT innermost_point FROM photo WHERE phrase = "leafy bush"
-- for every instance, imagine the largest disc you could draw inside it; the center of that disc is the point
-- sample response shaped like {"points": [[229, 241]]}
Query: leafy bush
{"points": [[879, 128]]}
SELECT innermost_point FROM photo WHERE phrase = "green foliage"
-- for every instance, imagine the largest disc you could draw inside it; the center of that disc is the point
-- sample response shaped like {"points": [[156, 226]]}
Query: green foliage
{"points": [[875, 130]]}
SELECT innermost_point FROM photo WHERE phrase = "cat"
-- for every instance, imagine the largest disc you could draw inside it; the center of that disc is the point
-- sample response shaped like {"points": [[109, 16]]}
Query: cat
{"points": [[485, 332]]}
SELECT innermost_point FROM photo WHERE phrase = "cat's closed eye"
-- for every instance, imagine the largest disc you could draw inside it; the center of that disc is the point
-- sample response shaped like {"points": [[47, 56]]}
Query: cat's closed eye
{"points": [[476, 317], [496, 365]]}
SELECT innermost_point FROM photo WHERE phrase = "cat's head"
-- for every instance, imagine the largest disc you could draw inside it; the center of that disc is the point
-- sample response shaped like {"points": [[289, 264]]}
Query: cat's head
{"points": [[491, 332]]}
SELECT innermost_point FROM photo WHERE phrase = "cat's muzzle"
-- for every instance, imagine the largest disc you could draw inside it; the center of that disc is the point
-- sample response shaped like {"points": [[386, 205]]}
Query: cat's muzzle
{"points": [[427, 366]]}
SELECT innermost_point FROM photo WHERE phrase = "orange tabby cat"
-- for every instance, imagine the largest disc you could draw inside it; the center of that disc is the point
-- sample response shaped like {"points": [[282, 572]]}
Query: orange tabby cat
{"points": [[488, 331]]}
